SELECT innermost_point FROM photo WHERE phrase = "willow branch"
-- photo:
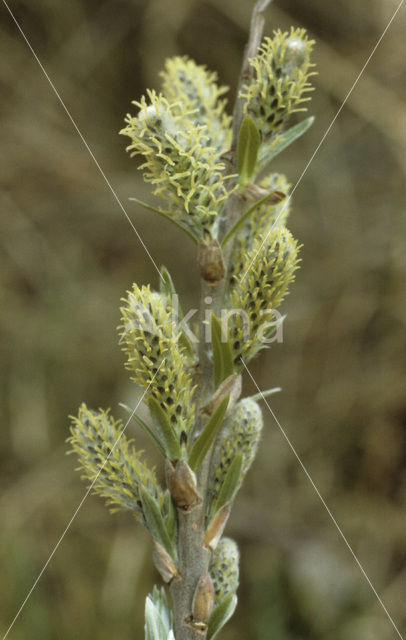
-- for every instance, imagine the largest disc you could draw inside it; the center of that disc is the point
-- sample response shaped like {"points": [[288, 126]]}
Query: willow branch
{"points": [[194, 558], [254, 40], [235, 204]]}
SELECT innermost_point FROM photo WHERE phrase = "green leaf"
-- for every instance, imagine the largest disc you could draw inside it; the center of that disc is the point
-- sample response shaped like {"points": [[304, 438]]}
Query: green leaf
{"points": [[166, 285], [223, 365], [170, 516], [150, 433], [264, 394], [172, 446], [168, 216], [272, 148], [231, 483], [160, 600], [168, 289], [155, 627], [155, 521], [241, 220], [221, 614], [145, 428], [186, 343], [248, 144], [208, 435]]}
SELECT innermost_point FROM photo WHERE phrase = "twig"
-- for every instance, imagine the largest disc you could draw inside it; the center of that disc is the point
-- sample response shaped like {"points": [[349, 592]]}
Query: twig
{"points": [[235, 204], [254, 40], [193, 558]]}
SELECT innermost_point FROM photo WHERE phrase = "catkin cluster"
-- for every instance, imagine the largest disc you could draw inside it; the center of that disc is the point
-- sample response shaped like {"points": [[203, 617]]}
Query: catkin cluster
{"points": [[183, 136]]}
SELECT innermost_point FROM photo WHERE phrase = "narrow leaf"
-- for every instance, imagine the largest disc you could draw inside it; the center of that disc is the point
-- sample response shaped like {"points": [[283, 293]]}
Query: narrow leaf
{"points": [[231, 483], [172, 446], [221, 614], [247, 149], [144, 427], [155, 628], [270, 149], [185, 342], [155, 521], [207, 437], [170, 518], [264, 394], [167, 287], [223, 365], [241, 220], [166, 284], [167, 216], [150, 433], [160, 600], [216, 346]]}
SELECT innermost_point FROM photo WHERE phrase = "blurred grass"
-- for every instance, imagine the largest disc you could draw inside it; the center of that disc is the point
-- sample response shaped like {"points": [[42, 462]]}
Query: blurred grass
{"points": [[68, 253]]}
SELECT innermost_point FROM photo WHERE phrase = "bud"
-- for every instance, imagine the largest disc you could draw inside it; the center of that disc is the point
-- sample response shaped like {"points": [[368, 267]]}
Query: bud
{"points": [[216, 527], [212, 267], [295, 53], [181, 481], [231, 387], [203, 600], [163, 562], [224, 569], [254, 192]]}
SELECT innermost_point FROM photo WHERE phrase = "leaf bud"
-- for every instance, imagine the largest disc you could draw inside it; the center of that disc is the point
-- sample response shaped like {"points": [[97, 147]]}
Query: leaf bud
{"points": [[181, 482], [211, 262], [203, 600]]}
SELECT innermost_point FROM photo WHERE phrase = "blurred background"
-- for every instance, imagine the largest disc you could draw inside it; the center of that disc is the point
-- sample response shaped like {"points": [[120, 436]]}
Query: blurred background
{"points": [[68, 254]]}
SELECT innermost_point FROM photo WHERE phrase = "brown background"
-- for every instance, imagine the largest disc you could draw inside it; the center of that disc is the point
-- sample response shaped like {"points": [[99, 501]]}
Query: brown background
{"points": [[68, 254]]}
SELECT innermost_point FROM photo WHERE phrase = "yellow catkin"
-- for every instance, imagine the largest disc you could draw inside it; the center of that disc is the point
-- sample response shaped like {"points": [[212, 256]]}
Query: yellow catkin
{"points": [[190, 84], [269, 267], [111, 461], [157, 360], [282, 69], [184, 169]]}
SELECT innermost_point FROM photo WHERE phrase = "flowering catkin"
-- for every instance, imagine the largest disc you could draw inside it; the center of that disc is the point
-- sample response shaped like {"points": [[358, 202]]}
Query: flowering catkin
{"points": [[194, 87], [282, 69], [178, 160], [258, 289], [111, 461], [159, 363]]}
